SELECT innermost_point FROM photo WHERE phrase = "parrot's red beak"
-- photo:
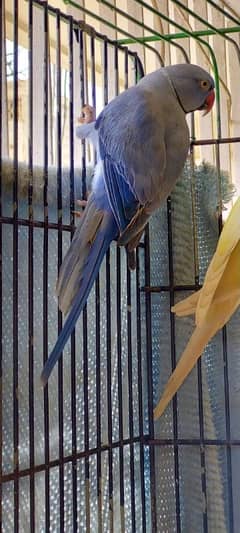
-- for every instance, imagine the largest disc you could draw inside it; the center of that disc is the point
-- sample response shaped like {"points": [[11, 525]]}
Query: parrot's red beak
{"points": [[207, 106]]}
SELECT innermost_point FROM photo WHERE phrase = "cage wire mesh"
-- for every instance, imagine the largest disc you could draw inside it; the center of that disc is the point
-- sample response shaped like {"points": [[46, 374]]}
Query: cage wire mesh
{"points": [[84, 453]]}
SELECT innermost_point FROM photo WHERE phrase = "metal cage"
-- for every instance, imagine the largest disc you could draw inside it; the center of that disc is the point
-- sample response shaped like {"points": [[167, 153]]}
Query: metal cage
{"points": [[84, 453]]}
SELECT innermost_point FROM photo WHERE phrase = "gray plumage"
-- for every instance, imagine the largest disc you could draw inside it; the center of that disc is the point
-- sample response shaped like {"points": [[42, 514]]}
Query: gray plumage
{"points": [[144, 133]]}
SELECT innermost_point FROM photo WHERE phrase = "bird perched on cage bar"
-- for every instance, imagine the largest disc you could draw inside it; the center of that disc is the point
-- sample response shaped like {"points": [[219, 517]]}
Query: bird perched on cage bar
{"points": [[213, 305], [142, 140]]}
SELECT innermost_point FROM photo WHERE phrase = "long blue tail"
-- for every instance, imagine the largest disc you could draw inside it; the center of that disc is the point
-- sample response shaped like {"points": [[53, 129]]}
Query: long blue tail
{"points": [[105, 234]]}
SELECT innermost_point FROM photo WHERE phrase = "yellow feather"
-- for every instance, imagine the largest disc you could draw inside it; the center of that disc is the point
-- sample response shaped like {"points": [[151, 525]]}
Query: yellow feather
{"points": [[227, 241], [186, 363], [214, 303]]}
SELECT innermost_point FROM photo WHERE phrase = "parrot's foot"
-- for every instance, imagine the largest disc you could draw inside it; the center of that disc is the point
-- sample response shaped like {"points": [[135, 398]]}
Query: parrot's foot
{"points": [[134, 230]]}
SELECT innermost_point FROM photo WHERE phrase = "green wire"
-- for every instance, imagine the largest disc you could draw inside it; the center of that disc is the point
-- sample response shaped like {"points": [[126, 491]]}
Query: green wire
{"points": [[144, 27], [225, 13], [172, 36], [197, 35], [114, 27], [206, 23], [190, 34]]}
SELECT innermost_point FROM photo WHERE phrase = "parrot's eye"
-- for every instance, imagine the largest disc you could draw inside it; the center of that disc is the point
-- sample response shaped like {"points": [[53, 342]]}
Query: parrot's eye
{"points": [[204, 84]]}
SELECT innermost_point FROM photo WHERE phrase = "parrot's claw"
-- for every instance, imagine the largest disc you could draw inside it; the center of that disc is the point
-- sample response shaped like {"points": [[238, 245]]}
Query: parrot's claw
{"points": [[81, 203]]}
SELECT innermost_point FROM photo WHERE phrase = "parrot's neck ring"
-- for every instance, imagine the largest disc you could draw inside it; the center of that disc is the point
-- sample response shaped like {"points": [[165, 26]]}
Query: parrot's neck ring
{"points": [[164, 71]]}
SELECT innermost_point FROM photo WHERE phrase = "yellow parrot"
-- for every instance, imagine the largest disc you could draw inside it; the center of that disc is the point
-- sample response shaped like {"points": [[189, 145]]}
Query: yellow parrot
{"points": [[213, 304]]}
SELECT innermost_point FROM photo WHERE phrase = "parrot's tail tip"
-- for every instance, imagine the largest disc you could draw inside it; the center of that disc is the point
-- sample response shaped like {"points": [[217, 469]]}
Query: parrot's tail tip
{"points": [[43, 379], [157, 412]]}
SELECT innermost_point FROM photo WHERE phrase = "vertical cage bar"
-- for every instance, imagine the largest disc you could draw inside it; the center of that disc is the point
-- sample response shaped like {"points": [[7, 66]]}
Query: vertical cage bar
{"points": [[109, 392], [140, 390], [224, 340], [45, 268], [119, 348], [82, 95], [139, 73], [108, 323], [86, 418], [130, 400], [199, 363], [85, 324], [15, 270], [225, 357], [98, 333], [1, 306], [202, 446], [30, 269], [173, 358], [130, 360], [224, 337], [73, 339], [120, 400], [228, 431], [193, 194], [148, 318], [59, 238], [93, 68], [98, 405], [71, 119]]}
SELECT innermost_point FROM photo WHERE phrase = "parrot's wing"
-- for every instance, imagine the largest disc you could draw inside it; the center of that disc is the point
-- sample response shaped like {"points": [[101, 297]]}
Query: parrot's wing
{"points": [[80, 268], [121, 198], [228, 239], [226, 300], [133, 153]]}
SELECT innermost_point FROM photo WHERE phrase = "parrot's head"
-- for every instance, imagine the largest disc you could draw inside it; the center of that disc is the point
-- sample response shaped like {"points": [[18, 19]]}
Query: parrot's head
{"points": [[193, 86]]}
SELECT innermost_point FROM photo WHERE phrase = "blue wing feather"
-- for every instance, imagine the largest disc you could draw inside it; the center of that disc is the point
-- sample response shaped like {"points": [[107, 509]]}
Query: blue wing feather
{"points": [[121, 198], [104, 237]]}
